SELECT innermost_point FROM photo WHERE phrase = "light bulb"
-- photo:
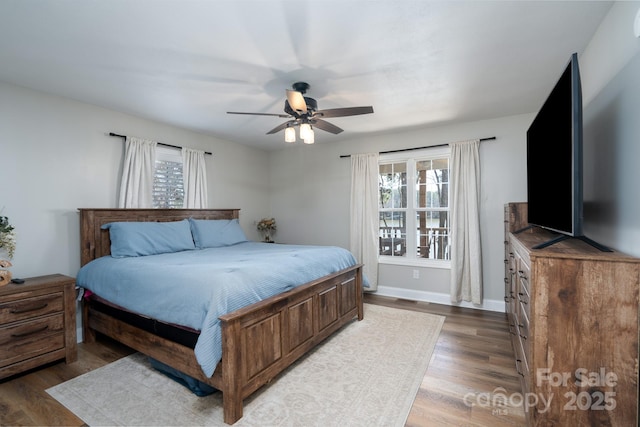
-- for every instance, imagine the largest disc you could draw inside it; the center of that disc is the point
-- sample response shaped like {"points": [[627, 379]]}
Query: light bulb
{"points": [[305, 128], [310, 139], [290, 134]]}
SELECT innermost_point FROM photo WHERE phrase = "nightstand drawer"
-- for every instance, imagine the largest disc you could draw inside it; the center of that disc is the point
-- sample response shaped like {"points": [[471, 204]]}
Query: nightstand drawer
{"points": [[28, 339], [28, 308]]}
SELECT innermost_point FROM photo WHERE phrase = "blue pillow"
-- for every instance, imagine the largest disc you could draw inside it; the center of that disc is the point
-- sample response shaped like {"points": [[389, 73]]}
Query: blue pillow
{"points": [[129, 239], [214, 233]]}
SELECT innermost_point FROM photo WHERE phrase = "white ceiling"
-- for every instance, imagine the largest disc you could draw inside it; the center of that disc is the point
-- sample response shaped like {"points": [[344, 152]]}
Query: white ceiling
{"points": [[183, 62]]}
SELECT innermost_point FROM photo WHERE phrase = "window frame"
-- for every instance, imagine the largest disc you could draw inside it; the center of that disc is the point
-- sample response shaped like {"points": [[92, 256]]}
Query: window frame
{"points": [[411, 158]]}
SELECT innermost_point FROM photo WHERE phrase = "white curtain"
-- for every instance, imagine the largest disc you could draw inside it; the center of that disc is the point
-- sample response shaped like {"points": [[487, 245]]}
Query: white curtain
{"points": [[466, 257], [194, 173], [364, 214], [136, 184]]}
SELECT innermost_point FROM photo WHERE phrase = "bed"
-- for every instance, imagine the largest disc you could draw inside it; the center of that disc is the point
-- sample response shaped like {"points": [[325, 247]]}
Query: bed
{"points": [[258, 341]]}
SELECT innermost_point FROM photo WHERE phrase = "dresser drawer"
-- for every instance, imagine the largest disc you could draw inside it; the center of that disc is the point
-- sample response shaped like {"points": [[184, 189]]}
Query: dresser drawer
{"points": [[522, 364], [28, 308], [24, 340], [523, 330], [523, 293], [524, 273]]}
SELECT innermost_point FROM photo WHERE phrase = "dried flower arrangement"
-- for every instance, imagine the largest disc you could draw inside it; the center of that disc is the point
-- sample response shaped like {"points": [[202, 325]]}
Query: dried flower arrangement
{"points": [[7, 236], [8, 243], [266, 226]]}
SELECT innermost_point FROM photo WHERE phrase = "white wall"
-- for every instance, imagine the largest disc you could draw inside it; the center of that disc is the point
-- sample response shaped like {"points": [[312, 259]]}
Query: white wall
{"points": [[610, 70], [310, 197], [55, 157], [310, 185]]}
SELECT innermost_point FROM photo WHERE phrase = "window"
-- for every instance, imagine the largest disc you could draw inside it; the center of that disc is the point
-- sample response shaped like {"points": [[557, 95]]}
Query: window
{"points": [[168, 188], [414, 195]]}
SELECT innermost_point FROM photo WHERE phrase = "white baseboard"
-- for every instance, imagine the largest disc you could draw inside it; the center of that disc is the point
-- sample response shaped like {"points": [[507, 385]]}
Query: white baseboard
{"points": [[438, 298]]}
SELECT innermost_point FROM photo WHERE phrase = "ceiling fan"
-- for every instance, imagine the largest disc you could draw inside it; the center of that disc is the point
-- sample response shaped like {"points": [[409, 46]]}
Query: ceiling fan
{"points": [[303, 112]]}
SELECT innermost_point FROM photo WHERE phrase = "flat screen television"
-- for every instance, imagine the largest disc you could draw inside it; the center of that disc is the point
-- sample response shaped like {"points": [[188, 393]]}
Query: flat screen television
{"points": [[554, 160]]}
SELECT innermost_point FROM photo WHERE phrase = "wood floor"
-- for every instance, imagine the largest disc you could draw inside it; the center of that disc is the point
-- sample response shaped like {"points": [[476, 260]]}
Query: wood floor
{"points": [[472, 359]]}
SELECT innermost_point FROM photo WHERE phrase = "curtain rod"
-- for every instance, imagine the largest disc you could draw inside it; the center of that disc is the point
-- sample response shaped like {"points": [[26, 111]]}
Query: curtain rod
{"points": [[159, 143], [491, 138]]}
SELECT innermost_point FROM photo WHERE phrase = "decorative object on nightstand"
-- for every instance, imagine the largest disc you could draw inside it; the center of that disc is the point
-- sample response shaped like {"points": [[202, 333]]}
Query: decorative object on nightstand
{"points": [[267, 226], [5, 275], [7, 249], [37, 323]]}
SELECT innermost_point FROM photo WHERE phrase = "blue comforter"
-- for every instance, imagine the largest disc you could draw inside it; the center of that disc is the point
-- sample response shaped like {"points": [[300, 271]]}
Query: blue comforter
{"points": [[192, 288]]}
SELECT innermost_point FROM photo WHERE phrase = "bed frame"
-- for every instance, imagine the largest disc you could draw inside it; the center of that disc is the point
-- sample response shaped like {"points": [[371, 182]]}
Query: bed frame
{"points": [[259, 341]]}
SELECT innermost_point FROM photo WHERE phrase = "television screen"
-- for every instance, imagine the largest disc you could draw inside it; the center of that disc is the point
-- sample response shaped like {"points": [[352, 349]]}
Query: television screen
{"points": [[554, 157]]}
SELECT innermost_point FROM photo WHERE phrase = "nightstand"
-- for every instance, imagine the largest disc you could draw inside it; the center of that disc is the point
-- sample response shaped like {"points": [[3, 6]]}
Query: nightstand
{"points": [[37, 323]]}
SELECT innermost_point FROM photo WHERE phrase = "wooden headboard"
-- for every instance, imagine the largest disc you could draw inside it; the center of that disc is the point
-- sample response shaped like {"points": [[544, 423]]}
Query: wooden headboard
{"points": [[95, 242]]}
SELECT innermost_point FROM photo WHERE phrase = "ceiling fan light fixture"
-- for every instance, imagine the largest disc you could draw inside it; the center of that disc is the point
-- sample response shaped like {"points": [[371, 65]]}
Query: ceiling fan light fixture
{"points": [[305, 130], [310, 139], [302, 111], [290, 134]]}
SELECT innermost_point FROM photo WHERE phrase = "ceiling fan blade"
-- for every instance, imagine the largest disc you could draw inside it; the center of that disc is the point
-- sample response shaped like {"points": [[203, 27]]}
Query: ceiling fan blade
{"points": [[342, 112], [280, 127], [326, 126], [260, 114], [296, 101]]}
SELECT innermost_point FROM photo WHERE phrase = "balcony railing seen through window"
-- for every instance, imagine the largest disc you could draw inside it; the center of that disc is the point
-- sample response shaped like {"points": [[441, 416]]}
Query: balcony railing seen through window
{"points": [[414, 195]]}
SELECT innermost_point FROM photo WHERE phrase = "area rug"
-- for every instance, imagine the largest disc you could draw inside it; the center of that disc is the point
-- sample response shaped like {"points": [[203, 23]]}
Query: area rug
{"points": [[367, 374]]}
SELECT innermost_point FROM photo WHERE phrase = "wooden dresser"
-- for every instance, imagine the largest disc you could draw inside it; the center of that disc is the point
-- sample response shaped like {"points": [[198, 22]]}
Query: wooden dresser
{"points": [[573, 318], [37, 323]]}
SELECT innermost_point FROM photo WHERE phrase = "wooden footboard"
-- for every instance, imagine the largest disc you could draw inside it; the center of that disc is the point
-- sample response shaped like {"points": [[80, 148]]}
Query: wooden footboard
{"points": [[258, 341], [261, 340]]}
